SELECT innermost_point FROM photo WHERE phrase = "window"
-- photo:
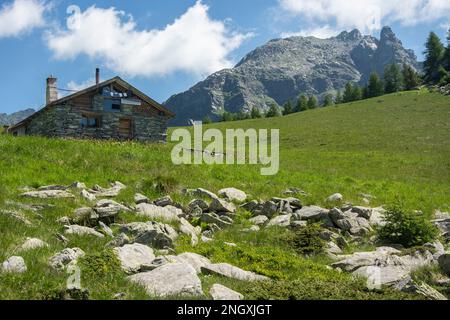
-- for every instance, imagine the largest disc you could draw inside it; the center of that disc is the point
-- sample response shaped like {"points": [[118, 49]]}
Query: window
{"points": [[89, 121], [113, 105]]}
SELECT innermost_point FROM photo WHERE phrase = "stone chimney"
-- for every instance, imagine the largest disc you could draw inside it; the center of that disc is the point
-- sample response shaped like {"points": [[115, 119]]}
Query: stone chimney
{"points": [[51, 91], [97, 76]]}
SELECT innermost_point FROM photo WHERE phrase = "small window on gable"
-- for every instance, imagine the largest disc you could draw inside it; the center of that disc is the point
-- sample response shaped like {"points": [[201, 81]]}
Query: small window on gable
{"points": [[89, 121], [113, 105]]}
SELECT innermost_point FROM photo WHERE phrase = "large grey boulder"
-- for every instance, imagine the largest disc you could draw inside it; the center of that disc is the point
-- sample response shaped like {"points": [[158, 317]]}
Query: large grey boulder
{"points": [[16, 216], [154, 234], [173, 279], [47, 194], [14, 264], [444, 263], [108, 209], [164, 201], [280, 221], [269, 209], [220, 292], [259, 220], [82, 231], [113, 191], [229, 271], [220, 205], [33, 243], [213, 218], [390, 275], [166, 214], [190, 230], [134, 257], [313, 214], [193, 259], [140, 198], [233, 194], [68, 256]]}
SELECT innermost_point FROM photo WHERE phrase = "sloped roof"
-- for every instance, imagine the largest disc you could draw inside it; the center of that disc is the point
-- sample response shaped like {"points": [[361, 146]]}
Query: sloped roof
{"points": [[117, 80]]}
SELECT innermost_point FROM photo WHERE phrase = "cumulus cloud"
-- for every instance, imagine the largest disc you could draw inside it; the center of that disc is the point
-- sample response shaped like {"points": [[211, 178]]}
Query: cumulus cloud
{"points": [[21, 16], [76, 86], [324, 32], [368, 15], [193, 43]]}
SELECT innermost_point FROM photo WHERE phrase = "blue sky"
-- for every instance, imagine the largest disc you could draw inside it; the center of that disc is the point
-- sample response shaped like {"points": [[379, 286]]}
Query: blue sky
{"points": [[165, 46]]}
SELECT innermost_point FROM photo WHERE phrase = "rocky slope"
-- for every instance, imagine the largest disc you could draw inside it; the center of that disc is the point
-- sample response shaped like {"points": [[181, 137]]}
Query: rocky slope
{"points": [[284, 68], [13, 118]]}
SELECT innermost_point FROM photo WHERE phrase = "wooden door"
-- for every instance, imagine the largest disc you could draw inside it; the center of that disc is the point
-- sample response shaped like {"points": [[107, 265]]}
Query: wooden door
{"points": [[125, 128]]}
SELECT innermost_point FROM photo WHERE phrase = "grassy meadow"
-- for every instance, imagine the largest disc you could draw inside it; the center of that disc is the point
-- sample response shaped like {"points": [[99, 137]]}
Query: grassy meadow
{"points": [[395, 148]]}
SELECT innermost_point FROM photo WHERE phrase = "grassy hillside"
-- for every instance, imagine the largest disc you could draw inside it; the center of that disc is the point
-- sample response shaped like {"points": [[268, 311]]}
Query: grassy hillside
{"points": [[392, 147]]}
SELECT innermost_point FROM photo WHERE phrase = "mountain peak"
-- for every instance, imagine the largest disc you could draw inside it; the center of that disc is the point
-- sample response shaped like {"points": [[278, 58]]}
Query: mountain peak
{"points": [[353, 35], [388, 35]]}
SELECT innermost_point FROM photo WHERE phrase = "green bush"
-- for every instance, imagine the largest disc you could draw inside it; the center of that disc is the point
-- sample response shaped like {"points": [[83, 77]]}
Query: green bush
{"points": [[406, 228], [306, 240]]}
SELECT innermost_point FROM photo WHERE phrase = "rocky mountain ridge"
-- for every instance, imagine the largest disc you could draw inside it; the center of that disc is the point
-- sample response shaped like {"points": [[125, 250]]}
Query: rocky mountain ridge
{"points": [[283, 69]]}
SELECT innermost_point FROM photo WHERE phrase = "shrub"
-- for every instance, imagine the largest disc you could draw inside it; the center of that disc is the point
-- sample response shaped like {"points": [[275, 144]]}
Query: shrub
{"points": [[306, 240], [406, 228], [100, 264]]}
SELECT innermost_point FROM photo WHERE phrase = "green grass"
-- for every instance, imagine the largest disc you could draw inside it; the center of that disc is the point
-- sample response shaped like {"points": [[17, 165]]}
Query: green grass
{"points": [[392, 147]]}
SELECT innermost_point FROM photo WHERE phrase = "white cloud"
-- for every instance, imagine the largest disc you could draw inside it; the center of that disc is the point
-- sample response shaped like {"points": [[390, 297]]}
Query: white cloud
{"points": [[368, 15], [75, 86], [324, 32], [192, 43], [21, 16]]}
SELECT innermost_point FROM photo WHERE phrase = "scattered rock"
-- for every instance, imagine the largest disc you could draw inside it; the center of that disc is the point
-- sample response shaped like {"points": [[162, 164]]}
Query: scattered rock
{"points": [[61, 238], [47, 194], [219, 205], [67, 256], [82, 231], [444, 263], [164, 201], [52, 188], [298, 224], [119, 241], [259, 220], [313, 214], [107, 210], [269, 209], [105, 229], [32, 243], [14, 264], [198, 203], [84, 216], [87, 195], [173, 279], [220, 292], [425, 290], [233, 194], [280, 221], [363, 212], [187, 228], [134, 257], [17, 216], [195, 260], [64, 220], [203, 193], [214, 219], [154, 234], [78, 185], [140, 198], [205, 239], [229, 271], [377, 217], [114, 191], [167, 214], [337, 197]]}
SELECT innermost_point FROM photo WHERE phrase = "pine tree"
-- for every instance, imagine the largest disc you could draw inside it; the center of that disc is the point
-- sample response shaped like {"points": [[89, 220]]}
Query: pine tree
{"points": [[375, 86], [274, 111], [207, 120], [312, 102], [255, 114], [302, 104], [434, 54], [288, 108], [227, 116], [348, 93], [392, 78], [357, 93], [411, 78], [328, 100], [338, 99]]}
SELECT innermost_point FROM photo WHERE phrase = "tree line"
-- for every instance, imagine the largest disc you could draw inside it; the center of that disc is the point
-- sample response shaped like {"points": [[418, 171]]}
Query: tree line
{"points": [[436, 71]]}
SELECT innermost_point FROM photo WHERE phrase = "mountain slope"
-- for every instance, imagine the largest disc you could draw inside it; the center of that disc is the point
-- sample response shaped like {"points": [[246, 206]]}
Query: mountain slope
{"points": [[284, 68], [13, 118]]}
